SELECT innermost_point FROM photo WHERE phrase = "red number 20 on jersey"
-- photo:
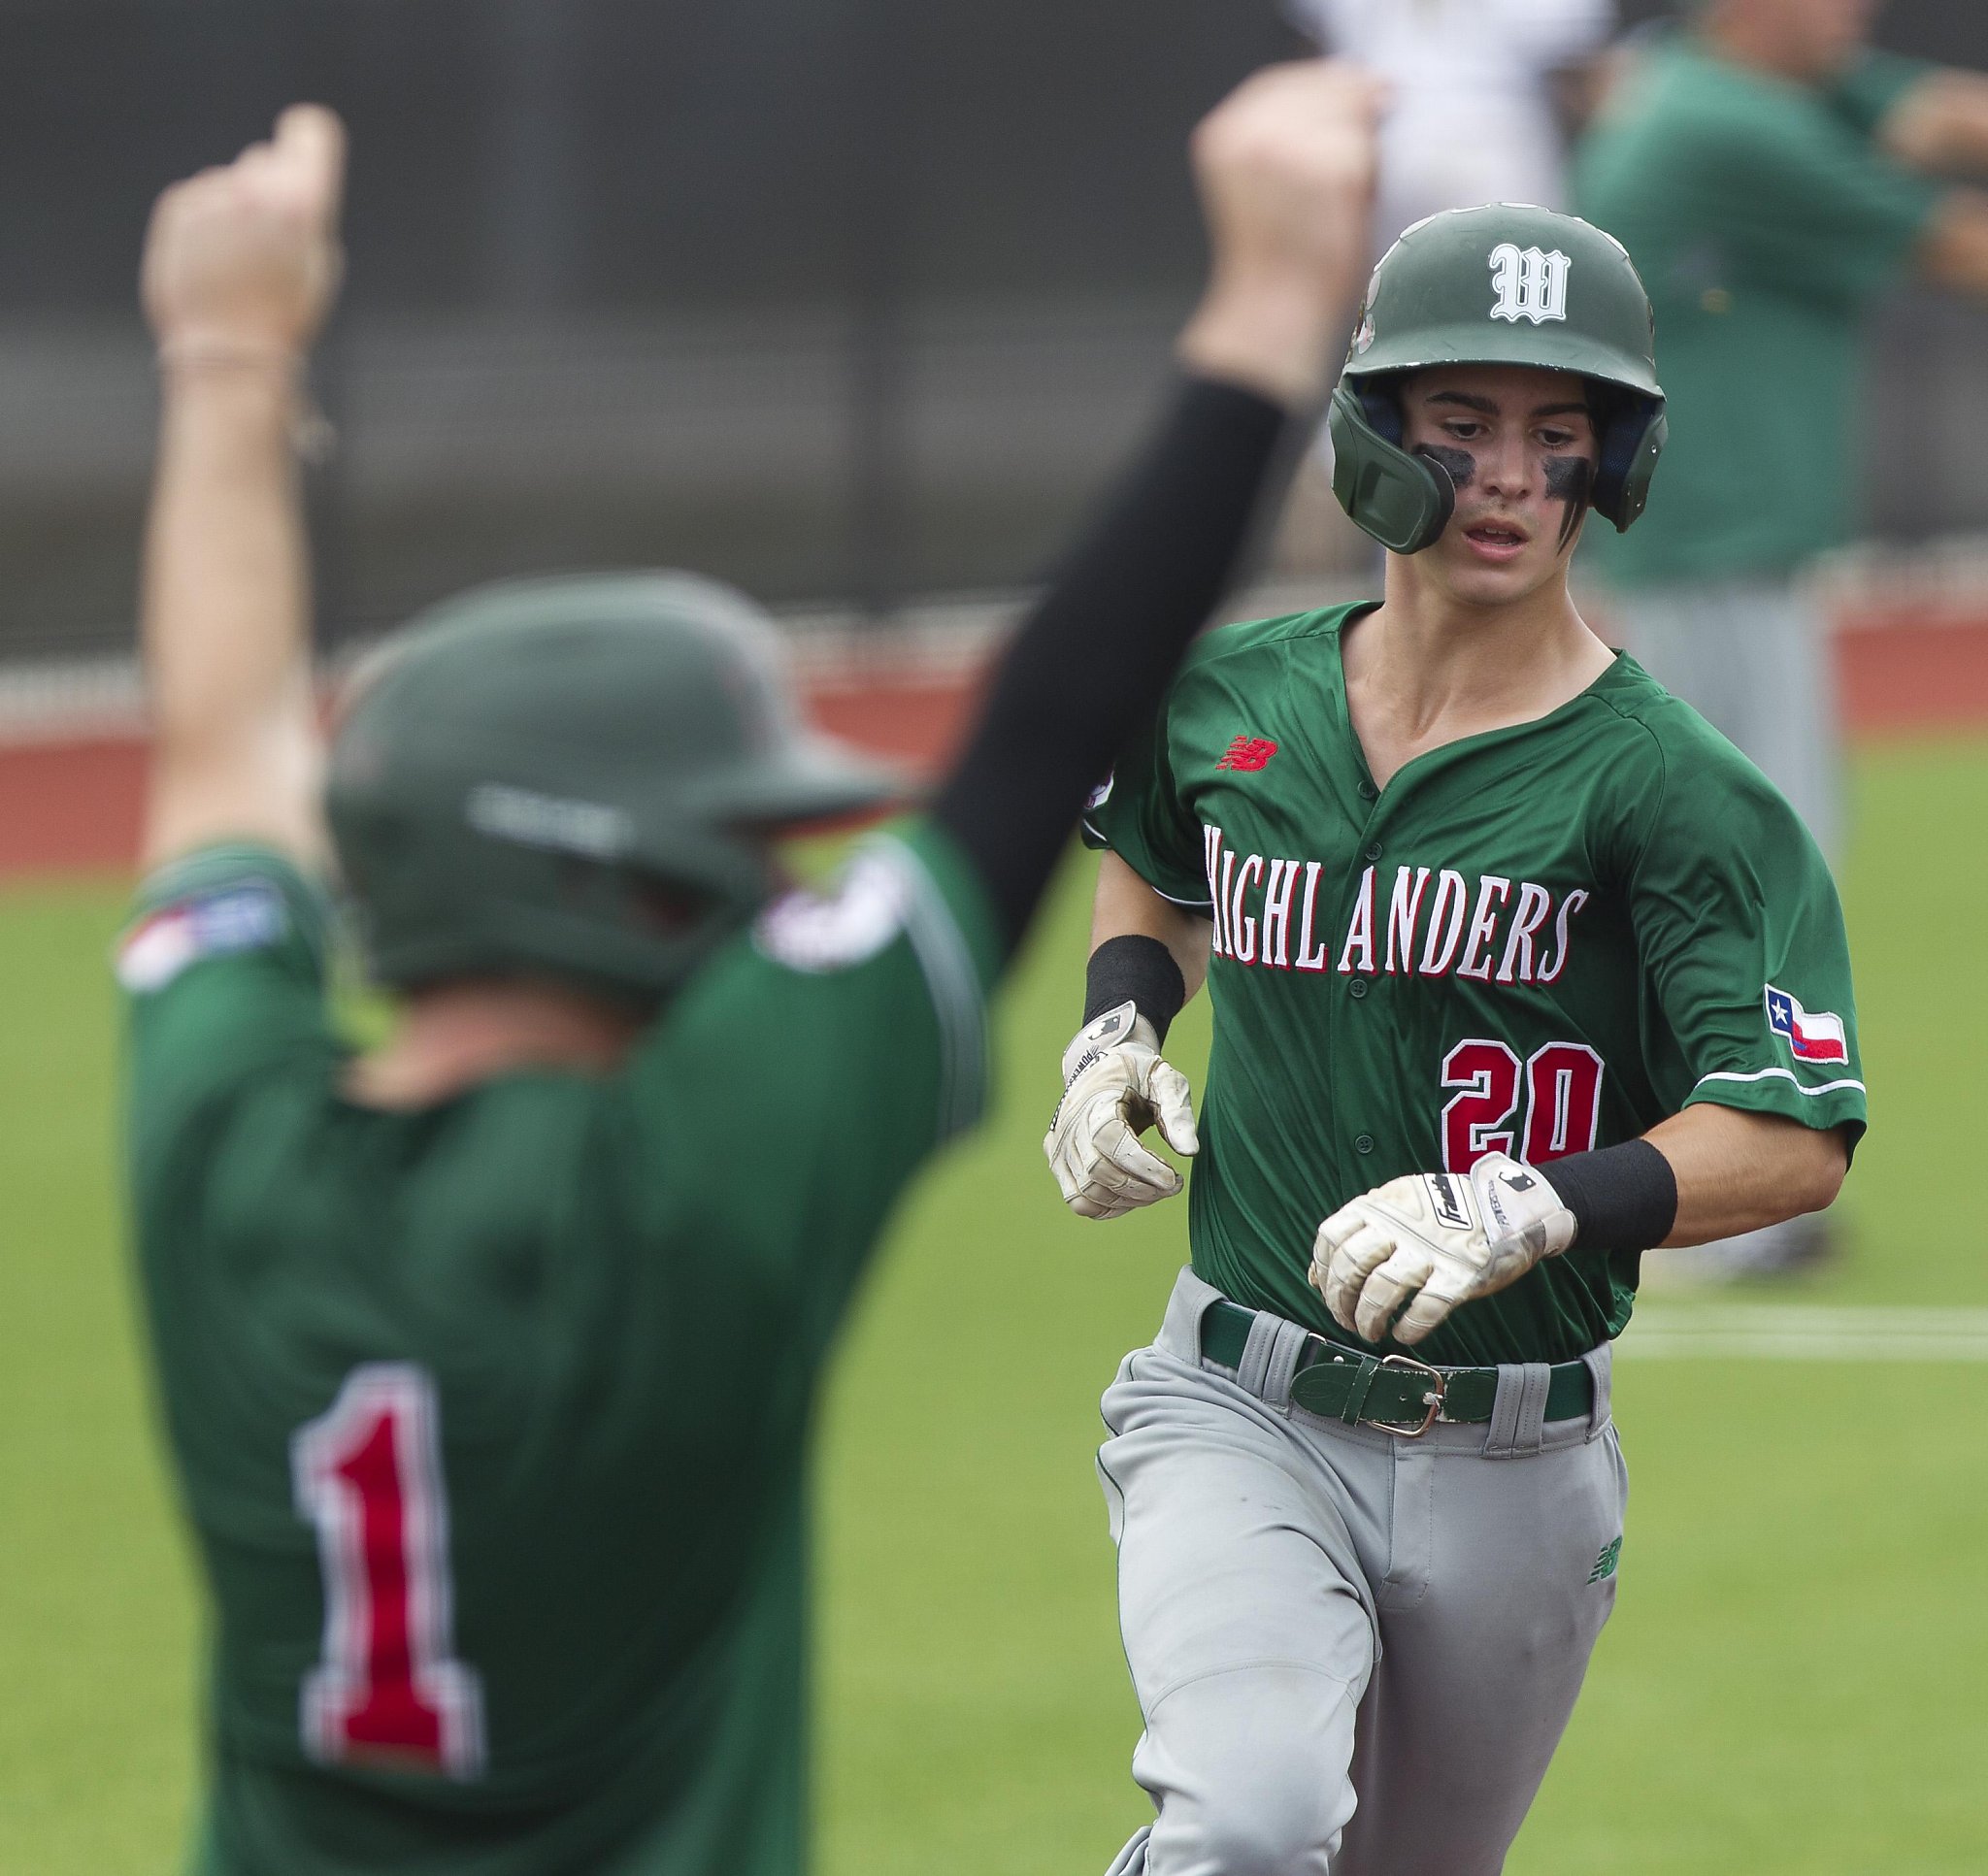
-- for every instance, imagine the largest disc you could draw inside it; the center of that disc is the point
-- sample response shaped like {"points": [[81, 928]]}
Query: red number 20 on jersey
{"points": [[387, 1689], [1560, 1085]]}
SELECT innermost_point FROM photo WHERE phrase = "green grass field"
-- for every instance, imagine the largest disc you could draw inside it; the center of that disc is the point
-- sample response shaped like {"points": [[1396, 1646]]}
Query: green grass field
{"points": [[1791, 1682]]}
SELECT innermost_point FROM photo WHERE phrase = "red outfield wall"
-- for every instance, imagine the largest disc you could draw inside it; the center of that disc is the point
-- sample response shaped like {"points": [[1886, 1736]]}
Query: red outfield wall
{"points": [[67, 805]]}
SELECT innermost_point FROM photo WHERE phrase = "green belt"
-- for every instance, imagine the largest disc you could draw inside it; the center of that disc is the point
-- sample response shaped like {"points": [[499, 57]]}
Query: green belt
{"points": [[1394, 1392]]}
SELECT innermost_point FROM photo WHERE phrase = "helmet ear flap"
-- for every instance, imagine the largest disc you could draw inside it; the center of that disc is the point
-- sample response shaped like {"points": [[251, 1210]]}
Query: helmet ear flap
{"points": [[1633, 431], [1404, 501]]}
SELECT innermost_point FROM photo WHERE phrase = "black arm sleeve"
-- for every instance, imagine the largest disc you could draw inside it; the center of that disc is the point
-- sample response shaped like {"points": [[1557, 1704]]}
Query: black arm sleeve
{"points": [[1095, 656]]}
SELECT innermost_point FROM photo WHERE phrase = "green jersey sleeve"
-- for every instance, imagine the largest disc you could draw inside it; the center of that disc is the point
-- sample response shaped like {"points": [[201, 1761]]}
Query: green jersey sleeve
{"points": [[1742, 938], [811, 1070], [224, 964], [1795, 191], [1865, 94], [1137, 813]]}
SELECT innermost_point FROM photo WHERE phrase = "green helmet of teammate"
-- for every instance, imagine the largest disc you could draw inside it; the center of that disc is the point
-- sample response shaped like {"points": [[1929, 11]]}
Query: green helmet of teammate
{"points": [[1505, 285], [575, 778]]}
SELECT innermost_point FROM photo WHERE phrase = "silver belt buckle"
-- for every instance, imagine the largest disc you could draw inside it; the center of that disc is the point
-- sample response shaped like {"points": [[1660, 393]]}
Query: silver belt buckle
{"points": [[1431, 1400]]}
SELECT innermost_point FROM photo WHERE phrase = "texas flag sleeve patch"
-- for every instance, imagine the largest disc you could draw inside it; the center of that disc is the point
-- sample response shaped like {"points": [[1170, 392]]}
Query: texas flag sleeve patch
{"points": [[247, 917], [1811, 1035]]}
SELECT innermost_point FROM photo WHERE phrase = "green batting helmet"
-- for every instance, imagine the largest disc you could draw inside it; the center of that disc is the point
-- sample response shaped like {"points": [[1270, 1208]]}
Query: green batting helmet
{"points": [[1505, 285], [574, 777]]}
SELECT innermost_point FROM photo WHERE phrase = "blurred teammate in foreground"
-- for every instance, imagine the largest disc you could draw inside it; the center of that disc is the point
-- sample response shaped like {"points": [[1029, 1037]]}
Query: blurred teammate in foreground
{"points": [[1771, 176], [1520, 970], [487, 1358]]}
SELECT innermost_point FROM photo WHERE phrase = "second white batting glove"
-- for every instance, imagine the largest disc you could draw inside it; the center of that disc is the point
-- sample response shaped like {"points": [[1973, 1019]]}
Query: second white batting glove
{"points": [[1115, 1085], [1434, 1240]]}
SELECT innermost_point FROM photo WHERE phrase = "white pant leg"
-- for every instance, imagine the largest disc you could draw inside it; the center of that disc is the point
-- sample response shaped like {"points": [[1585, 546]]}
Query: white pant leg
{"points": [[1354, 1654], [1486, 1640], [1248, 1626]]}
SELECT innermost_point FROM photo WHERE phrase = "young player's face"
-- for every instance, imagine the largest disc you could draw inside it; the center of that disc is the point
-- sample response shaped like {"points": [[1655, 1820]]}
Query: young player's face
{"points": [[1519, 443]]}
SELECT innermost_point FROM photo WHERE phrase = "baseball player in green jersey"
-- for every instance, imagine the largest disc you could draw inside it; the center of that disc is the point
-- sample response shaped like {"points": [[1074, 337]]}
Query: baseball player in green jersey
{"points": [[1520, 970], [486, 1357]]}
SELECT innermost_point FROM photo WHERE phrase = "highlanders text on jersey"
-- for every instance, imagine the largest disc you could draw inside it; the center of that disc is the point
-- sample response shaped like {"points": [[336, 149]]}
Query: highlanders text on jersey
{"points": [[1535, 941], [491, 1414]]}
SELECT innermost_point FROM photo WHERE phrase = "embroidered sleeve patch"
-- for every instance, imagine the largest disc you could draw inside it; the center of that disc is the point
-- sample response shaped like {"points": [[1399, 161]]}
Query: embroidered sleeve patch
{"points": [[1811, 1035], [249, 918]]}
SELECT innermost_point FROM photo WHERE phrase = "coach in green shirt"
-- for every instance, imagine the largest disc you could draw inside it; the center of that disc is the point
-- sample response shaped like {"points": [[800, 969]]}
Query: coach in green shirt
{"points": [[1771, 177]]}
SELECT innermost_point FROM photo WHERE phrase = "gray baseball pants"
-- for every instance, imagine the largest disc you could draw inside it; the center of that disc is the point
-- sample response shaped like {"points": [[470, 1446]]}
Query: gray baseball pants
{"points": [[1752, 655], [1354, 1653]]}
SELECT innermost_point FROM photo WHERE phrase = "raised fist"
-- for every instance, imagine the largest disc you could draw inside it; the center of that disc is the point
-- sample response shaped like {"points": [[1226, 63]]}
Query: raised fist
{"points": [[1284, 166], [245, 258]]}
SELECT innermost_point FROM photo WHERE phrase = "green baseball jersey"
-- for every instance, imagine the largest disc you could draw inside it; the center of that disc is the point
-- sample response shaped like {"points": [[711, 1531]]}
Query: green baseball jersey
{"points": [[1764, 220], [491, 1416], [1536, 940]]}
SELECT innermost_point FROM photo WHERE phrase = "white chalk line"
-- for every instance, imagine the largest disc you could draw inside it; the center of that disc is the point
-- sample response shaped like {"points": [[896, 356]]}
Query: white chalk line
{"points": [[1804, 1332]]}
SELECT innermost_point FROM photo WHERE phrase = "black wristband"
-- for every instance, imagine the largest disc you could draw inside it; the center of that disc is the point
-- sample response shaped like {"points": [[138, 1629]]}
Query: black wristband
{"points": [[1135, 970], [1623, 1197]]}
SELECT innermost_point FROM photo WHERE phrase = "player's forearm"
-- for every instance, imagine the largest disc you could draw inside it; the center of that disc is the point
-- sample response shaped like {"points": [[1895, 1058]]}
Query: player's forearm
{"points": [[1737, 1172], [1269, 335], [240, 265], [225, 561], [1126, 906], [1284, 168], [1094, 657], [225, 603], [1954, 251], [1941, 125]]}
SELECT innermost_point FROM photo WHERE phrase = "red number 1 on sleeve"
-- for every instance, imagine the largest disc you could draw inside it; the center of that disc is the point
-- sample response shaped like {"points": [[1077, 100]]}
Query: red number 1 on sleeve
{"points": [[387, 1689]]}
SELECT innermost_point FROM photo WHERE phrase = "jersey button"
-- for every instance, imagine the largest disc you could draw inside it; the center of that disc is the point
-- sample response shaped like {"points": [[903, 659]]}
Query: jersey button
{"points": [[1368, 791], [1364, 1144], [1373, 852], [1357, 988]]}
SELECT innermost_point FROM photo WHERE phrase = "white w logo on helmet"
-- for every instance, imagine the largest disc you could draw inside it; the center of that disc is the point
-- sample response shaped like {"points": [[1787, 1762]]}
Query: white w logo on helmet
{"points": [[1530, 284]]}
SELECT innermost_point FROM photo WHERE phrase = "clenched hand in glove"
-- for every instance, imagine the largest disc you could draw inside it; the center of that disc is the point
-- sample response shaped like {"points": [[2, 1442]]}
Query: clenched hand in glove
{"points": [[1434, 1240], [1115, 1085]]}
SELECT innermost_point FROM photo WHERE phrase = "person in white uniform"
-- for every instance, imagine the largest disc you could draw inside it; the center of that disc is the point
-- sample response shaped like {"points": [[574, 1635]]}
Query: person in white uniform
{"points": [[1470, 115]]}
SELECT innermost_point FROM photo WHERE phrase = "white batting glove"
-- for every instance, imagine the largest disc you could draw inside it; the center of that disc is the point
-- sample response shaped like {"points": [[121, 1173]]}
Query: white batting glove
{"points": [[1437, 1238], [1115, 1085]]}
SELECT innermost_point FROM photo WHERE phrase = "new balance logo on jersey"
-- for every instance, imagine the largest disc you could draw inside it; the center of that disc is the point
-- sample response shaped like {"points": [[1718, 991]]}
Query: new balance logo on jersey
{"points": [[1812, 1035], [1529, 285], [1285, 914], [1249, 752], [1605, 1564]]}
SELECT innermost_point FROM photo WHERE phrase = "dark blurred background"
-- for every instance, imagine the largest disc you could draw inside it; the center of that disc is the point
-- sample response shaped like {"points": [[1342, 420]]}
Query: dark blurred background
{"points": [[848, 301]]}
